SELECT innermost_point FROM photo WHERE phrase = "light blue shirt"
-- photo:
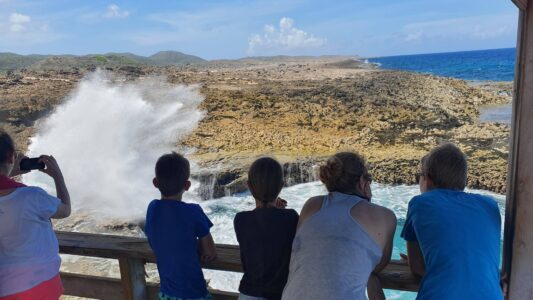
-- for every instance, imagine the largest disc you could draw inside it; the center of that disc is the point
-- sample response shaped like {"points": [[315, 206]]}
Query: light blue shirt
{"points": [[459, 235]]}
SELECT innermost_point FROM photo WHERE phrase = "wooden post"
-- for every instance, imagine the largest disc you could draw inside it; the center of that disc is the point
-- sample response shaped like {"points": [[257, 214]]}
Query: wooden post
{"points": [[133, 278], [518, 244]]}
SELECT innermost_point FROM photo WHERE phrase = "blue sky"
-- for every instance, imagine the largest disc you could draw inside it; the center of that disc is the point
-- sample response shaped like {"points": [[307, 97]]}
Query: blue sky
{"points": [[233, 29]]}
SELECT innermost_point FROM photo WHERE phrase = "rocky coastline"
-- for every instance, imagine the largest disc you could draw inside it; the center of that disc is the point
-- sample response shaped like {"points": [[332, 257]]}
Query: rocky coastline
{"points": [[301, 110]]}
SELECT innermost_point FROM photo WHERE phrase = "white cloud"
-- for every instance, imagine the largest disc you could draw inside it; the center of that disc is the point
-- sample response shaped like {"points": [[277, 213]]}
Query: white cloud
{"points": [[115, 12], [287, 37], [18, 22], [477, 28], [17, 29]]}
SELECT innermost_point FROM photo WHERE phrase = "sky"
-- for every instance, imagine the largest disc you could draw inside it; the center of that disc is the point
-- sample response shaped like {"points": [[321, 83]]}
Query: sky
{"points": [[231, 29]]}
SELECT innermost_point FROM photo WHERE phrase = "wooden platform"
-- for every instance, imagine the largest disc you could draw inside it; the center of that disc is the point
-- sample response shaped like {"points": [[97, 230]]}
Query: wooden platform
{"points": [[133, 253]]}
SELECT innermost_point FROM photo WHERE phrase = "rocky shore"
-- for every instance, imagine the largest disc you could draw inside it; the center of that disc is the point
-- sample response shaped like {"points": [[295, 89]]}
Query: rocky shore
{"points": [[302, 110]]}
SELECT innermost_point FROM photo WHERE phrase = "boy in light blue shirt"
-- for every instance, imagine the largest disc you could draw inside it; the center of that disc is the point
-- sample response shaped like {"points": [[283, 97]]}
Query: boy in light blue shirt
{"points": [[453, 237]]}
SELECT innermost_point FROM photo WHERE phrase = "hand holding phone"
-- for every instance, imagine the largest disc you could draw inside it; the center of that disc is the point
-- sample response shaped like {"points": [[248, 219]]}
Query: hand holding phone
{"points": [[52, 168]]}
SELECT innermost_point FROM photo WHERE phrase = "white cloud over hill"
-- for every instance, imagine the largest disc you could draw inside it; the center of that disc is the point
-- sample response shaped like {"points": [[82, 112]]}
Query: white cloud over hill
{"points": [[286, 37]]}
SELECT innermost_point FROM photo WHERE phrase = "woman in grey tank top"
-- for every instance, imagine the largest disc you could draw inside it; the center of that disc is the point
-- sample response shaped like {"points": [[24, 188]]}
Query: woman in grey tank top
{"points": [[342, 239]]}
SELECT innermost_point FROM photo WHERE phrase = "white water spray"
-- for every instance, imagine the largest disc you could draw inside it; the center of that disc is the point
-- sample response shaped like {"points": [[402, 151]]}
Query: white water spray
{"points": [[107, 137]]}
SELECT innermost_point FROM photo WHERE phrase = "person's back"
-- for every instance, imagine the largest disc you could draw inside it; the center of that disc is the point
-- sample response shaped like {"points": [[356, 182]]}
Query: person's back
{"points": [[178, 232], [459, 234], [265, 234], [265, 237], [341, 239], [173, 229], [29, 250], [342, 253], [453, 237]]}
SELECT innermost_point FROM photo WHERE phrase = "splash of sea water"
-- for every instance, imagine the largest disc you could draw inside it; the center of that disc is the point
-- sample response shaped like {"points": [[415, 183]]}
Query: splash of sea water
{"points": [[107, 137]]}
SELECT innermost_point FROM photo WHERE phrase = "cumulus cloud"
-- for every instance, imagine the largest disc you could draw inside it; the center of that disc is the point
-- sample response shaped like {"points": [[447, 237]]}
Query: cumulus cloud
{"points": [[18, 22], [287, 37], [115, 12], [17, 29]]}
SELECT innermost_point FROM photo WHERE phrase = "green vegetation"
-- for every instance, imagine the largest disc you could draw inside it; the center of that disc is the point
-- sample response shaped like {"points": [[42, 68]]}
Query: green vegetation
{"points": [[12, 61]]}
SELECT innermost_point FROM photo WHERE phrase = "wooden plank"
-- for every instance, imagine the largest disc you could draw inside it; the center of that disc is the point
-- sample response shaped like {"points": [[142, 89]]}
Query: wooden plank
{"points": [[111, 246], [395, 276], [93, 287], [519, 229], [133, 278], [106, 288]]}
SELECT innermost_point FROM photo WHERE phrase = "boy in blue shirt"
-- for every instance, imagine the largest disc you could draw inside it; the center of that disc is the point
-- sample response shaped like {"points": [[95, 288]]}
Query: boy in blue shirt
{"points": [[178, 233], [453, 237]]}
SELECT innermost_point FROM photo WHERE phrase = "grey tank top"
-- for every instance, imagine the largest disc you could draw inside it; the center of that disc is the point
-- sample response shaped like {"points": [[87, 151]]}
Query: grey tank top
{"points": [[332, 255]]}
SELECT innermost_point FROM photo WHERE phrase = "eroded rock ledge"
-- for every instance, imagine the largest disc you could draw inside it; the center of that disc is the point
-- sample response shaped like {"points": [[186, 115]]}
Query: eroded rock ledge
{"points": [[301, 111]]}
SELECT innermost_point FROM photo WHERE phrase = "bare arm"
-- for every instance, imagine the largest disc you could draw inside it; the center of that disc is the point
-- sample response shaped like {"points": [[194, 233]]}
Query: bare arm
{"points": [[374, 288], [415, 259], [207, 249], [53, 170]]}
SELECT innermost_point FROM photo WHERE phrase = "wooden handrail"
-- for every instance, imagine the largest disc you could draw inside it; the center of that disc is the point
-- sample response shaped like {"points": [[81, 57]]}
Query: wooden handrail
{"points": [[133, 252]]}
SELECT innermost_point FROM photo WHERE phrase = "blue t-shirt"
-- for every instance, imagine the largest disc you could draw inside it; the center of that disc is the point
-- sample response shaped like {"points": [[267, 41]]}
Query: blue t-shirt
{"points": [[459, 235], [173, 229]]}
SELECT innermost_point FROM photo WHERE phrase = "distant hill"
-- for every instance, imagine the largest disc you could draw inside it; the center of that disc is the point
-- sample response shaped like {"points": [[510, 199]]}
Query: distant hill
{"points": [[11, 61], [164, 58]]}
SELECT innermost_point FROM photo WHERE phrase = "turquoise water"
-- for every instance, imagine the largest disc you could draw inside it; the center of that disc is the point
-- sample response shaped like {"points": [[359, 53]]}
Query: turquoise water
{"points": [[222, 211], [480, 65]]}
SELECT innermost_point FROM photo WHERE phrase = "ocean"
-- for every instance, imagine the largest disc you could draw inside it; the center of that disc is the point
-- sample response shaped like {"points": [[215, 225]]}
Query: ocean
{"points": [[479, 65]]}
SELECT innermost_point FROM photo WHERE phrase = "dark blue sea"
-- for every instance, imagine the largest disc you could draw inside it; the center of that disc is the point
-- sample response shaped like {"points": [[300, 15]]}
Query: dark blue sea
{"points": [[479, 65]]}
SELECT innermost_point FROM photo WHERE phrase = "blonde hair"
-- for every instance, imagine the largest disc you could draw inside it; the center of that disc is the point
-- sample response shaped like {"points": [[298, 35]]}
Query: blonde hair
{"points": [[342, 172]]}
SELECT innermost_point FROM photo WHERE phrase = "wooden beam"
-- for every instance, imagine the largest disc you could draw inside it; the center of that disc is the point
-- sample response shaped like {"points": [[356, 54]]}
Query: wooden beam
{"points": [[93, 287], [106, 288], [112, 246], [521, 4], [518, 255], [395, 276], [133, 278]]}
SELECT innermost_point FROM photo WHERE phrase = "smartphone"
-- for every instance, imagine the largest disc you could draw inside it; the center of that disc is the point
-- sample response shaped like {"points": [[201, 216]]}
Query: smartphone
{"points": [[28, 164]]}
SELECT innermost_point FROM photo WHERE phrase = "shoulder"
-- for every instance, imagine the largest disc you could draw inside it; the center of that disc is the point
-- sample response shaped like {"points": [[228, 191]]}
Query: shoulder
{"points": [[421, 199], [313, 203], [487, 202], [241, 215], [381, 213], [32, 190], [153, 204], [291, 212]]}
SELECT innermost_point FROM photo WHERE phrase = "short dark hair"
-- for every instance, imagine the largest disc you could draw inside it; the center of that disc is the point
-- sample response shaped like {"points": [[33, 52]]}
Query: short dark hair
{"points": [[446, 166], [342, 172], [265, 179], [7, 146], [172, 170]]}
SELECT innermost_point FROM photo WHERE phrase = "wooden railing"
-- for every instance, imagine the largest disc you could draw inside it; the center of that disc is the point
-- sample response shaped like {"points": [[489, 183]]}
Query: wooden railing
{"points": [[133, 253]]}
